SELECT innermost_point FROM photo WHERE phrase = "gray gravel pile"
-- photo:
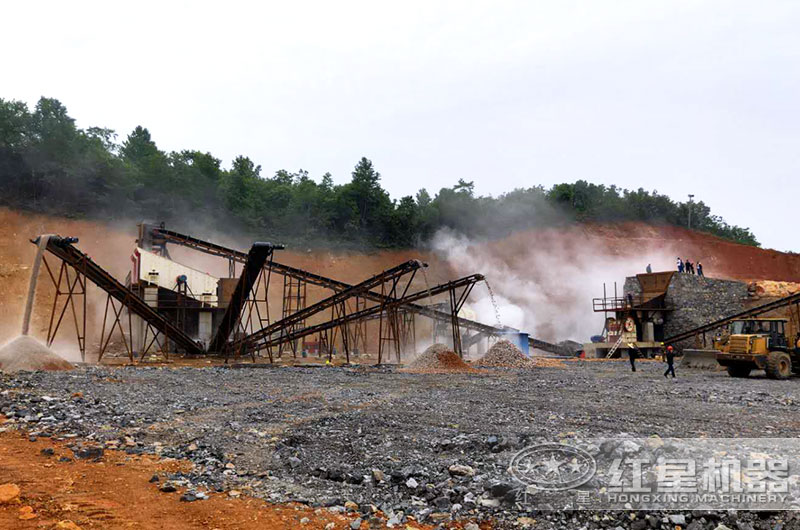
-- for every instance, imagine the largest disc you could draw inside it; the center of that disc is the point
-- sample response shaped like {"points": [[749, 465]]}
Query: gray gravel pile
{"points": [[504, 354], [434, 447], [27, 353]]}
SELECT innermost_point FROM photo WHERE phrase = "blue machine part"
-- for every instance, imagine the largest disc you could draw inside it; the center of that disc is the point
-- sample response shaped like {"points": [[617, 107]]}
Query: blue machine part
{"points": [[518, 339]]}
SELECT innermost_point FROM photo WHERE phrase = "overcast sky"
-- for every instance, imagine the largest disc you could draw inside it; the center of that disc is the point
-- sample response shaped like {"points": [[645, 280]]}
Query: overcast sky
{"points": [[682, 97]]}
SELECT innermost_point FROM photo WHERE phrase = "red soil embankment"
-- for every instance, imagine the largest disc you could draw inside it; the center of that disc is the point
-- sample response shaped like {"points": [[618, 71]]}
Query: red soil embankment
{"points": [[720, 257]]}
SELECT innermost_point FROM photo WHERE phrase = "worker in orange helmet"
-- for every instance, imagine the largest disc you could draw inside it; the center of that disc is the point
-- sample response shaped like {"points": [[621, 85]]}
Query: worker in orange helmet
{"points": [[669, 356]]}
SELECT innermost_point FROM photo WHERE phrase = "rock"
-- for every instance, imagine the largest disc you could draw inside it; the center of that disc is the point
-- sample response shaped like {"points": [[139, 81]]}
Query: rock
{"points": [[489, 503], [188, 497], [305, 520], [524, 522], [330, 526], [639, 524], [722, 527], [678, 519], [500, 489], [47, 451], [350, 506], [355, 524], [235, 494], [26, 513], [168, 487], [378, 475], [154, 478], [88, 453], [8, 493], [294, 462], [461, 470], [411, 483], [442, 503], [471, 526]]}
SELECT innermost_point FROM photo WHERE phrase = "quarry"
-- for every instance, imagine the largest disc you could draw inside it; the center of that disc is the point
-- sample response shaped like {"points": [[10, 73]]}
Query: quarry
{"points": [[312, 389]]}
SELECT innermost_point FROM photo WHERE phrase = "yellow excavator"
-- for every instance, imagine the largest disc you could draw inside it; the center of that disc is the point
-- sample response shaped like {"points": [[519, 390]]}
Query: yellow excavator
{"points": [[759, 344]]}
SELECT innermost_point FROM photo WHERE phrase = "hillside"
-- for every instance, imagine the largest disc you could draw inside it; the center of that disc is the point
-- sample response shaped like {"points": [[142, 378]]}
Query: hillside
{"points": [[544, 279]]}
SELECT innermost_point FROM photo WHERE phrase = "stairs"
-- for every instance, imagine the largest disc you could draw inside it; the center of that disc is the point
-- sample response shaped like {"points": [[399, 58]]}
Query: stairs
{"points": [[615, 347]]}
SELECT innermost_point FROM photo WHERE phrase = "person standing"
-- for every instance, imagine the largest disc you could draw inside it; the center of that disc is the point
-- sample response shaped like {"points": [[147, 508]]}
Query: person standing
{"points": [[680, 265], [649, 269], [632, 358], [699, 269], [669, 356]]}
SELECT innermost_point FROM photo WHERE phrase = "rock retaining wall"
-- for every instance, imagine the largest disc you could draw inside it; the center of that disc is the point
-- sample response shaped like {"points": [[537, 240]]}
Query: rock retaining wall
{"points": [[696, 300]]}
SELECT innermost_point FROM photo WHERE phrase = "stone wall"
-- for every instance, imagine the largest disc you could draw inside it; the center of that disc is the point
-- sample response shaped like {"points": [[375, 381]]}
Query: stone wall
{"points": [[632, 287], [696, 300]]}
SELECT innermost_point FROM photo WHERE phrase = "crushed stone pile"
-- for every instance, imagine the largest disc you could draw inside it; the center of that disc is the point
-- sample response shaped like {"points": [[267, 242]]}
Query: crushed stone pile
{"points": [[439, 358], [772, 288], [28, 354], [504, 354], [549, 362]]}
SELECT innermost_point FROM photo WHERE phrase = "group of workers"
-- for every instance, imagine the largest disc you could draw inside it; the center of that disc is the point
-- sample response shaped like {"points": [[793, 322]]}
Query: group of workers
{"points": [[669, 358], [690, 268]]}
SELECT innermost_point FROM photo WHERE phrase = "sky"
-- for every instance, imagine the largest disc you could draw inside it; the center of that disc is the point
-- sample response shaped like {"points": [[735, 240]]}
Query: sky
{"points": [[679, 97]]}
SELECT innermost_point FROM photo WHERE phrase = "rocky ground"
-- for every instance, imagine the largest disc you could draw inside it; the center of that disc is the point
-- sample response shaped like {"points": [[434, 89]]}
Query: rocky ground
{"points": [[434, 446]]}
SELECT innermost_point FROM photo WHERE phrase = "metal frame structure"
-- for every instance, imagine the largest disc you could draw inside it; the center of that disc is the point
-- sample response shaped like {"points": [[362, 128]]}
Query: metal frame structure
{"points": [[259, 342], [75, 288], [164, 235], [83, 266], [287, 329], [245, 328]]}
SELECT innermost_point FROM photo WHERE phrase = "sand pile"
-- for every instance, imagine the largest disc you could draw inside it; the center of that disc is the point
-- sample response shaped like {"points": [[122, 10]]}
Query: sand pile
{"points": [[773, 288], [504, 354], [439, 358], [28, 354]]}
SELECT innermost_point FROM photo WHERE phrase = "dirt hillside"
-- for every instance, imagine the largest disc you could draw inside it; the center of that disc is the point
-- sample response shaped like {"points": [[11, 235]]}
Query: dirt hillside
{"points": [[544, 279]]}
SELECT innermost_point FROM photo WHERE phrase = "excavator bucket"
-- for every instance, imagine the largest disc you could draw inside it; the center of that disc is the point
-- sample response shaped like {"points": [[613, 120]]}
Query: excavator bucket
{"points": [[700, 360]]}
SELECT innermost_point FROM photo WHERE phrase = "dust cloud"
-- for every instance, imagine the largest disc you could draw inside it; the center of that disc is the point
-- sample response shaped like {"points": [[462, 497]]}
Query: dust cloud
{"points": [[544, 280]]}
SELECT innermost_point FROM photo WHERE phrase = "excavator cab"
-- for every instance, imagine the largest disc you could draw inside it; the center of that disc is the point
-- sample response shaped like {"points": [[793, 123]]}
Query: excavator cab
{"points": [[758, 343]]}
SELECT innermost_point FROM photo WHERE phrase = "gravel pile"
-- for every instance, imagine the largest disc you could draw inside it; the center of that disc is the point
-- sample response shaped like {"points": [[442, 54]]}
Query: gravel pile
{"points": [[439, 358], [504, 354], [28, 354]]}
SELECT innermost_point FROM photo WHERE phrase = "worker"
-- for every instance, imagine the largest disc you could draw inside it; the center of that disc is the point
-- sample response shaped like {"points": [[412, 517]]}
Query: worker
{"points": [[669, 356], [680, 265], [632, 358], [699, 269], [649, 269]]}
